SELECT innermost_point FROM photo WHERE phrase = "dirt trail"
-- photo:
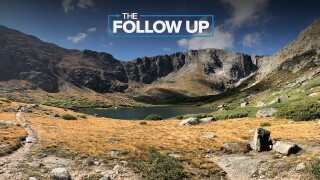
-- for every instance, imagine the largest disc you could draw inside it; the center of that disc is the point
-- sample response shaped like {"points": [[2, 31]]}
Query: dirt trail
{"points": [[9, 165]]}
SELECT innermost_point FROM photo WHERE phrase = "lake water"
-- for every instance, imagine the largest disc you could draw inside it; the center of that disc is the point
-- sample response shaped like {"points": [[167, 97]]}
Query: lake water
{"points": [[142, 112]]}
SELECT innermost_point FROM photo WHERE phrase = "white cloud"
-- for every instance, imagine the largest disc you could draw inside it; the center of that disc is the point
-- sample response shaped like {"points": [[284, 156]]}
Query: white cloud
{"points": [[245, 12], [66, 4], [221, 40], [84, 4], [167, 49], [251, 39], [109, 44], [77, 38], [91, 30]]}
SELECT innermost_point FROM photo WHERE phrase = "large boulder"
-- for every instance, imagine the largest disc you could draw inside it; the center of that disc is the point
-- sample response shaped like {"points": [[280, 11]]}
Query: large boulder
{"points": [[60, 174], [195, 121], [244, 104], [190, 121], [269, 112], [260, 140], [286, 148], [283, 98], [206, 119], [25, 109]]}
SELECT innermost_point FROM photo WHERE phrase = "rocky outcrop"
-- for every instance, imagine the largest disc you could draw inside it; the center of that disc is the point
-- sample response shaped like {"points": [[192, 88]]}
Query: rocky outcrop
{"points": [[260, 140], [269, 112], [286, 148]]}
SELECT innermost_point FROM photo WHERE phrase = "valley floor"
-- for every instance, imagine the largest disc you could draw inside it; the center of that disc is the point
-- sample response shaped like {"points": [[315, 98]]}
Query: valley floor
{"points": [[94, 146]]}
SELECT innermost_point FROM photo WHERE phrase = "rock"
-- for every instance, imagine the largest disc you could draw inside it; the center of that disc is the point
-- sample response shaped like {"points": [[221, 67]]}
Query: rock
{"points": [[238, 167], [97, 163], [190, 121], [97, 115], [114, 153], [11, 109], [269, 112], [300, 166], [261, 104], [313, 94], [34, 106], [34, 164], [55, 162], [118, 169], [174, 155], [32, 178], [124, 163], [54, 115], [25, 109], [252, 131], [230, 146], [30, 140], [286, 148], [283, 97], [207, 119], [260, 140], [207, 136], [244, 104], [222, 106], [60, 174]]}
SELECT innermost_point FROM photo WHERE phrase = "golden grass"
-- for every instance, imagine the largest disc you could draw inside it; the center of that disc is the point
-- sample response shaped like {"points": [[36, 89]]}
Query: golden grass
{"points": [[92, 136], [11, 136]]}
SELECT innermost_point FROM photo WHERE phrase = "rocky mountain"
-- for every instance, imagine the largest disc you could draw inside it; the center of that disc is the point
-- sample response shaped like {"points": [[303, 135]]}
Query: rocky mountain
{"points": [[193, 73]]}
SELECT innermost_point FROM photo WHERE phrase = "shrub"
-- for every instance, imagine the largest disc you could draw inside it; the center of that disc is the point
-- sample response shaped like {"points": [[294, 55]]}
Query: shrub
{"points": [[143, 123], [153, 117], [159, 166], [231, 114], [200, 116], [300, 110], [179, 117], [265, 124], [68, 117], [316, 168], [5, 100]]}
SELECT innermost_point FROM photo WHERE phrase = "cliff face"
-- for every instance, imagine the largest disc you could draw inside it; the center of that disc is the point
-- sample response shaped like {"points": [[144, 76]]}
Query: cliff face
{"points": [[193, 73]]}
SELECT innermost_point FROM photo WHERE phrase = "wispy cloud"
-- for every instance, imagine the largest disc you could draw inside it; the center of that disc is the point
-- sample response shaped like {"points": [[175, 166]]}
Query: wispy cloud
{"points": [[167, 49], [221, 40], [69, 5], [66, 4], [244, 12], [77, 38], [84, 4], [92, 29], [251, 39], [109, 44]]}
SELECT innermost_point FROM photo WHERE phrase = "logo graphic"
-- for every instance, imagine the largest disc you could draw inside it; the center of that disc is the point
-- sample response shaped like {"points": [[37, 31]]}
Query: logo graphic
{"points": [[151, 25]]}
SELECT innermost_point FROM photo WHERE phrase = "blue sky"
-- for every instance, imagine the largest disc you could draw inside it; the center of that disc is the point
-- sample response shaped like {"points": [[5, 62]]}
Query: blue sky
{"points": [[249, 26]]}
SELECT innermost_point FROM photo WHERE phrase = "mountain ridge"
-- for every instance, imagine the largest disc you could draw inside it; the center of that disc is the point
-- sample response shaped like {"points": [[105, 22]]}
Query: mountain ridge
{"points": [[193, 73]]}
